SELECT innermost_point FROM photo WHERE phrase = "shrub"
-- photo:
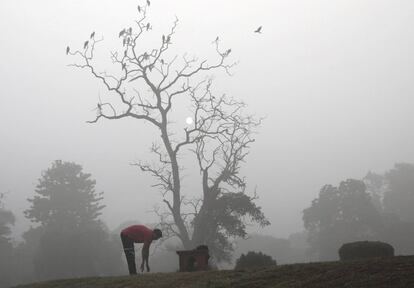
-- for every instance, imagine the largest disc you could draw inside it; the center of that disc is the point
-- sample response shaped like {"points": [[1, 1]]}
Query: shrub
{"points": [[254, 260], [365, 249]]}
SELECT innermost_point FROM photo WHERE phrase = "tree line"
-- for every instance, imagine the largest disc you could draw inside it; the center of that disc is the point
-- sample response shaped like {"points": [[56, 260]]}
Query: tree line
{"points": [[69, 240]]}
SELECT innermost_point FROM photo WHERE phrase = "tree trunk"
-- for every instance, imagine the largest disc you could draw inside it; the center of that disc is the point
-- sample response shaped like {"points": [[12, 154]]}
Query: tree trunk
{"points": [[176, 207]]}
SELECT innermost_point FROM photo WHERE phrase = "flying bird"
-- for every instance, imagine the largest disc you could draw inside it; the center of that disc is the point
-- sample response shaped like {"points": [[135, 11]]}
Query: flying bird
{"points": [[85, 45], [148, 3], [67, 50], [122, 32], [93, 34], [258, 30]]}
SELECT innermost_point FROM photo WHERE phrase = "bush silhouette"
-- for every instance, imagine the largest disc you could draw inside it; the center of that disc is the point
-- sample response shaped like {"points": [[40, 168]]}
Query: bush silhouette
{"points": [[254, 260], [365, 249]]}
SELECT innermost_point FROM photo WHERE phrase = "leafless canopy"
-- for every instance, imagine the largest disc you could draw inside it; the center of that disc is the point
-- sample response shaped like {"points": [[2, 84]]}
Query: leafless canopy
{"points": [[219, 136]]}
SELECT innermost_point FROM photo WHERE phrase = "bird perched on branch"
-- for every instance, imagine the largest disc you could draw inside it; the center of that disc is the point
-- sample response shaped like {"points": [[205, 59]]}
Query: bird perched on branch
{"points": [[148, 26], [163, 38], [85, 45], [122, 32], [93, 35], [130, 30], [258, 30], [139, 9], [148, 3], [67, 50]]}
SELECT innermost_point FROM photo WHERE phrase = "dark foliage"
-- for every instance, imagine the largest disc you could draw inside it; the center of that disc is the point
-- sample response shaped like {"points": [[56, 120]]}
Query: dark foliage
{"points": [[224, 219], [365, 249], [254, 260]]}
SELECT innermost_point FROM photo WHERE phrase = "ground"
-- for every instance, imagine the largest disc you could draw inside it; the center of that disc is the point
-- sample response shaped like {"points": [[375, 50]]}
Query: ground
{"points": [[378, 273]]}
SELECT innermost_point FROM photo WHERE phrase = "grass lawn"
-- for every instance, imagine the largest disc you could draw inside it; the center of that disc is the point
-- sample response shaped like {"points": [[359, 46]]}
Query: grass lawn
{"points": [[379, 273]]}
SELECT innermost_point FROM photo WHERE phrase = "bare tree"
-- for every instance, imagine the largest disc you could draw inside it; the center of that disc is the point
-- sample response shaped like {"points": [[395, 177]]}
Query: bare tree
{"points": [[219, 136]]}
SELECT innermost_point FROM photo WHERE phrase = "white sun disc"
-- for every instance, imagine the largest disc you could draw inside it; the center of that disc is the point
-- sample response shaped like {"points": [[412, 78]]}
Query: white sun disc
{"points": [[189, 120]]}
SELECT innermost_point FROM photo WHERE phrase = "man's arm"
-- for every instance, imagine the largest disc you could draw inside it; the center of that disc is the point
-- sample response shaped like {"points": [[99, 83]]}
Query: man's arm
{"points": [[145, 256]]}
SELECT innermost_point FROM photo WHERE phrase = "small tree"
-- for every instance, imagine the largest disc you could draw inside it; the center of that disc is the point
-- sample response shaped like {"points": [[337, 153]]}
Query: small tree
{"points": [[6, 249], [254, 260], [219, 135]]}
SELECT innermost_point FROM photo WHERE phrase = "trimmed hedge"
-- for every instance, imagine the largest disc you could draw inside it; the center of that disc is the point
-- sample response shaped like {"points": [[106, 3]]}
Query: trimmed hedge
{"points": [[254, 260], [365, 249]]}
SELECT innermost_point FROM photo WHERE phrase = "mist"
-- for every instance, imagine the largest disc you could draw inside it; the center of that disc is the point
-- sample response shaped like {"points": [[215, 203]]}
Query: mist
{"points": [[331, 79]]}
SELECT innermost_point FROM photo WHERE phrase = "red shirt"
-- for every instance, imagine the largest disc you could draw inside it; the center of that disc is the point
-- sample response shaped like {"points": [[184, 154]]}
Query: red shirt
{"points": [[138, 233]]}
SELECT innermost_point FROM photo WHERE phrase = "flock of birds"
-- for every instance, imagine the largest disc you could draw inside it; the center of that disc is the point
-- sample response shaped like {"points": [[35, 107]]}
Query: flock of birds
{"points": [[124, 31]]}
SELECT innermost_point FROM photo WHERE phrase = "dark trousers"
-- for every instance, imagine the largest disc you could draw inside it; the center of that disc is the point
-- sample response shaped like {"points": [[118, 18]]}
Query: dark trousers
{"points": [[128, 245]]}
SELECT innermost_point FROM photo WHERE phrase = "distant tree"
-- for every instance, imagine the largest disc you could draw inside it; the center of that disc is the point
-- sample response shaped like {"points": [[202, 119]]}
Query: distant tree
{"points": [[73, 241], [399, 197], [6, 220], [6, 249], [395, 198], [147, 84], [254, 260], [376, 187], [394, 190], [65, 197], [340, 214]]}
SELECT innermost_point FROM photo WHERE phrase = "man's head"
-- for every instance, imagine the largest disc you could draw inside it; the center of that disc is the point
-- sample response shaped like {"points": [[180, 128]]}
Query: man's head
{"points": [[156, 234]]}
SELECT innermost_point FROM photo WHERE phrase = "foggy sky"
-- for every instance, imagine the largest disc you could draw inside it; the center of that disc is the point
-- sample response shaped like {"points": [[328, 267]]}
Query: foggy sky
{"points": [[334, 80]]}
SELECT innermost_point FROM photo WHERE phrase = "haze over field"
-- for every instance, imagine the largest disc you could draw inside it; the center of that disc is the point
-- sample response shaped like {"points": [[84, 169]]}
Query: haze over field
{"points": [[334, 80]]}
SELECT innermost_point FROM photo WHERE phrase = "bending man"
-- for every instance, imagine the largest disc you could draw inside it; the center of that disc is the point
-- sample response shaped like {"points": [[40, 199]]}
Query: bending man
{"points": [[138, 234]]}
